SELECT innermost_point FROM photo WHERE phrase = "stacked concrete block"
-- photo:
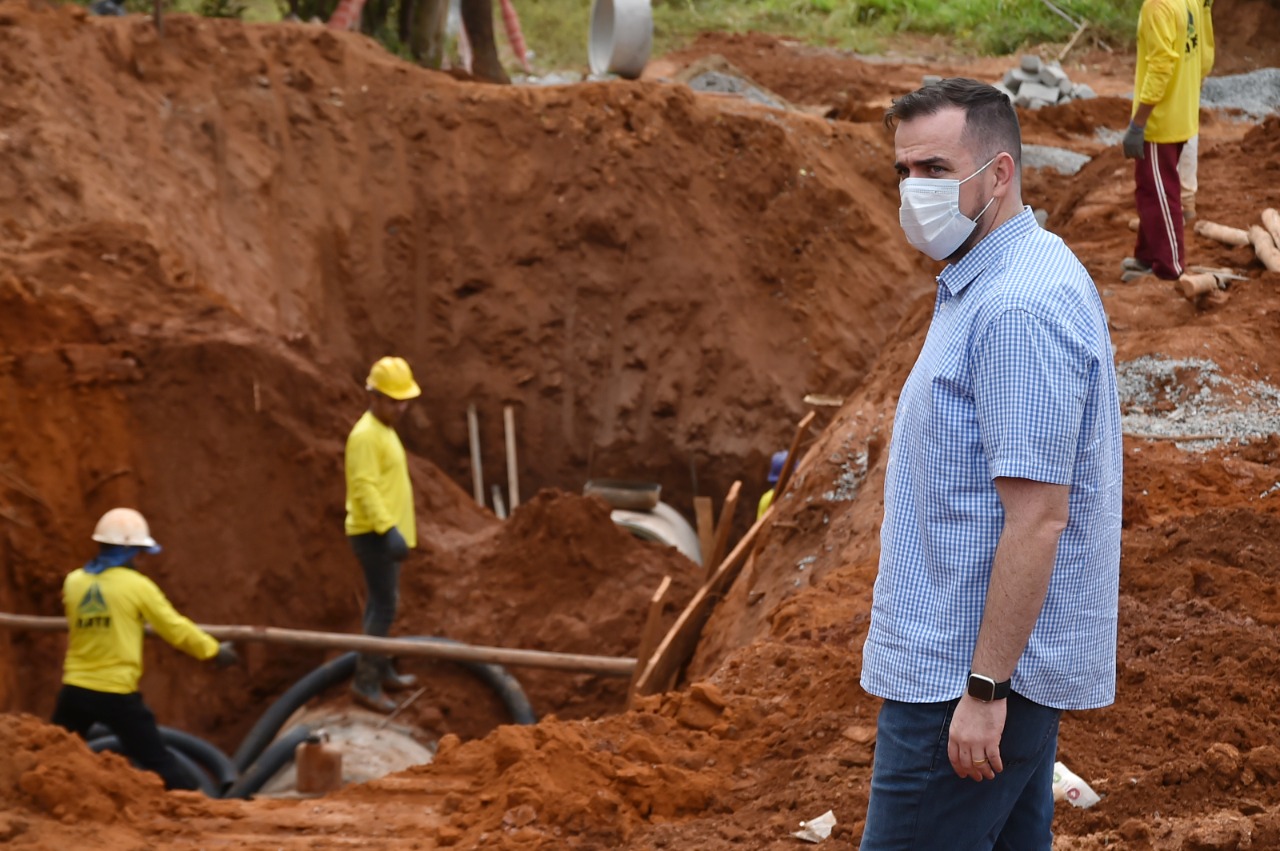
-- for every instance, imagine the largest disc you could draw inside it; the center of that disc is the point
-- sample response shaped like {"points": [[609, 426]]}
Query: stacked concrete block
{"points": [[1035, 84]]}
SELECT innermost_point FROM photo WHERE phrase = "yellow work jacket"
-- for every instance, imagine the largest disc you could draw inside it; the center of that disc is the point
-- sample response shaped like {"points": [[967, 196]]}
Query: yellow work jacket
{"points": [[105, 615], [379, 495], [1175, 54]]}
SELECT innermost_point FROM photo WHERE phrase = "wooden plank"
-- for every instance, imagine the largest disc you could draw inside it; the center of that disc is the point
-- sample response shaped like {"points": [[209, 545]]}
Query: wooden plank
{"points": [[705, 513], [784, 478], [723, 528], [661, 670], [513, 480], [457, 652], [649, 636], [473, 435]]}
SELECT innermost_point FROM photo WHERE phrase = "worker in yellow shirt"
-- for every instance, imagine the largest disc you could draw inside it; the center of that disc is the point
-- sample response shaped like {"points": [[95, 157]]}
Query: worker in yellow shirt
{"points": [[1175, 54], [776, 464], [380, 521], [107, 602]]}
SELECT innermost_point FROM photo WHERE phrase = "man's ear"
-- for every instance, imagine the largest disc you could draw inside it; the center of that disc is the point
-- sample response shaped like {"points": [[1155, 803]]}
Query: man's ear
{"points": [[1006, 172]]}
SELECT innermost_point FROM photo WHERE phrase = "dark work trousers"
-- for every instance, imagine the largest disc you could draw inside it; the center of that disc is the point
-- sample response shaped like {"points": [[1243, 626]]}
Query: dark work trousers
{"points": [[381, 563], [1158, 196], [130, 719]]}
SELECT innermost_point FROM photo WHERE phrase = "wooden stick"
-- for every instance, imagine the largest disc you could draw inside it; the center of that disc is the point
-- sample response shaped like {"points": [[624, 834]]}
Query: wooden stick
{"points": [[498, 507], [1222, 233], [457, 652], [649, 637], [477, 475], [784, 478], [663, 667], [1271, 221], [724, 527], [705, 513], [513, 482], [1265, 247], [1072, 43]]}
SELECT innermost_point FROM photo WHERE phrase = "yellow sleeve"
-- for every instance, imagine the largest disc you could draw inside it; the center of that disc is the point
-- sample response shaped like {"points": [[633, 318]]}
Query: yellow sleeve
{"points": [[1158, 27], [766, 500], [1208, 48], [172, 626], [362, 481]]}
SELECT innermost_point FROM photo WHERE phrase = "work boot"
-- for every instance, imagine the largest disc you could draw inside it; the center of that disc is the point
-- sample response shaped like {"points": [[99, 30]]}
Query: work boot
{"points": [[367, 689], [392, 681]]}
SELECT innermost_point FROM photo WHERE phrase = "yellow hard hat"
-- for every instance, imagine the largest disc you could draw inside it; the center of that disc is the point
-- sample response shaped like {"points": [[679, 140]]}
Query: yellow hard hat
{"points": [[124, 527], [392, 377]]}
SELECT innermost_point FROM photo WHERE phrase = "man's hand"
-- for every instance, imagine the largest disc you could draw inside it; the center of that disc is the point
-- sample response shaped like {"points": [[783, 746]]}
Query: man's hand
{"points": [[227, 656], [1133, 142], [396, 544], [973, 743]]}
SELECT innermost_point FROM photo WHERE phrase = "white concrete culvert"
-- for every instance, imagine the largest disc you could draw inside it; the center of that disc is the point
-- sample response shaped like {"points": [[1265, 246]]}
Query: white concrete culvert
{"points": [[621, 37]]}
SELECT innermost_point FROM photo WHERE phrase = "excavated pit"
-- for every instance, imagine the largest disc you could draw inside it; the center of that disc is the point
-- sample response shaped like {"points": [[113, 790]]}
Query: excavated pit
{"points": [[206, 239]]}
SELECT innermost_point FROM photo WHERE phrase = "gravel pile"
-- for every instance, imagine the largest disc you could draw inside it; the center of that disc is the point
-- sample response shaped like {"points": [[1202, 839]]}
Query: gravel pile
{"points": [[1164, 398], [1256, 94], [1060, 160]]}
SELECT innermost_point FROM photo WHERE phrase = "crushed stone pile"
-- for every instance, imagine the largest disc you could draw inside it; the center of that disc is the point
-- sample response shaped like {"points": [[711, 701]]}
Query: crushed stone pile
{"points": [[1255, 94]]}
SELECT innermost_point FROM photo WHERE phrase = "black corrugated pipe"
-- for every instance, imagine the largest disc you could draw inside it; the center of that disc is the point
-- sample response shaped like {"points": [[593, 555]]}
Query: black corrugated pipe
{"points": [[272, 760], [260, 735], [341, 668], [194, 772], [209, 757]]}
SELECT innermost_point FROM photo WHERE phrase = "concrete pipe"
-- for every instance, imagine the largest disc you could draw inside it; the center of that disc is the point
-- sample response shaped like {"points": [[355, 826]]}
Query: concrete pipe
{"points": [[621, 37], [662, 524]]}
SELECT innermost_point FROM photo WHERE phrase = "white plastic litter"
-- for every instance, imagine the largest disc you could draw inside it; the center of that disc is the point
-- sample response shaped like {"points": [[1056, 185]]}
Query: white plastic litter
{"points": [[817, 829], [1068, 785]]}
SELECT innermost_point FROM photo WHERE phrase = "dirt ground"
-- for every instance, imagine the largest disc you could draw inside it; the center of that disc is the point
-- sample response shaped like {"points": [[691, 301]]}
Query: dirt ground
{"points": [[205, 239]]}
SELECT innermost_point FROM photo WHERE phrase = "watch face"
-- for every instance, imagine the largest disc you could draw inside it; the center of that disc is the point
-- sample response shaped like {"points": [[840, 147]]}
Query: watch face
{"points": [[982, 688]]}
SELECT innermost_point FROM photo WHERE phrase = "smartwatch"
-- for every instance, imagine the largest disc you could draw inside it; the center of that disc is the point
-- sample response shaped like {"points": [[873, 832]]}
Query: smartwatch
{"points": [[986, 689]]}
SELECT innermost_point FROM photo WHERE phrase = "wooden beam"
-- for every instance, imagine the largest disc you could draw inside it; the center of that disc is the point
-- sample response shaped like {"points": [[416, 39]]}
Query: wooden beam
{"points": [[784, 478], [473, 434], [705, 513], [513, 481], [649, 636], [457, 652], [723, 528], [661, 670]]}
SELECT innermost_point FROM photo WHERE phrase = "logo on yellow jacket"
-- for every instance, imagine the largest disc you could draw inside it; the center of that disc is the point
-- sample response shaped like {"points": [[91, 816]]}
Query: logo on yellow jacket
{"points": [[93, 610]]}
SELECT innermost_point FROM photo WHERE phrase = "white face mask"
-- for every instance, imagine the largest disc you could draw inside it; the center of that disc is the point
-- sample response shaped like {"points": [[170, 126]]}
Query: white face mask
{"points": [[930, 214]]}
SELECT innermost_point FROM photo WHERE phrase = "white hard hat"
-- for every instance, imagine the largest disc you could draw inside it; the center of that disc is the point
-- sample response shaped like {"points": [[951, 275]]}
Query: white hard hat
{"points": [[124, 527]]}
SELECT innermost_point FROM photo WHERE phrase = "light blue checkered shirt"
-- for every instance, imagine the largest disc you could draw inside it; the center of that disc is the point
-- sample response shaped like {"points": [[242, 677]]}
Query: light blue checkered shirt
{"points": [[1016, 378]]}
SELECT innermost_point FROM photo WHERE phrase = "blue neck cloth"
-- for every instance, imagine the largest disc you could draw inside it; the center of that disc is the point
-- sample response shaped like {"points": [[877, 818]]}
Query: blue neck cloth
{"points": [[113, 555]]}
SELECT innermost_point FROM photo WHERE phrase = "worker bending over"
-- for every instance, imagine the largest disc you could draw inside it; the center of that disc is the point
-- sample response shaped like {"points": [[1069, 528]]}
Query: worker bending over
{"points": [[107, 603]]}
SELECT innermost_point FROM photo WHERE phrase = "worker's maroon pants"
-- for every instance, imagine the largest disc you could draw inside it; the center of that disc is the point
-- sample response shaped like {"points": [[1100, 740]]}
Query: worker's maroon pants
{"points": [[1159, 199]]}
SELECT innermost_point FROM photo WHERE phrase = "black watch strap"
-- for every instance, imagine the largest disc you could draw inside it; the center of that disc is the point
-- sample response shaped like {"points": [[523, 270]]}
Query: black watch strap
{"points": [[986, 689]]}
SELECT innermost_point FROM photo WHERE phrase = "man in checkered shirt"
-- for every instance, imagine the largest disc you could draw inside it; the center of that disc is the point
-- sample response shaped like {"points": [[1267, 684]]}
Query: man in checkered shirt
{"points": [[995, 604]]}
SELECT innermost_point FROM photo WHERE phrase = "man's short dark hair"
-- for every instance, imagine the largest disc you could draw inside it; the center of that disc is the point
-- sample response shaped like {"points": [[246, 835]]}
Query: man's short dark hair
{"points": [[991, 123]]}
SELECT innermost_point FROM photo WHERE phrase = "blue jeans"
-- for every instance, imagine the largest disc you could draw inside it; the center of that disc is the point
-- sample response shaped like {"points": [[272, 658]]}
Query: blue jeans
{"points": [[918, 803]]}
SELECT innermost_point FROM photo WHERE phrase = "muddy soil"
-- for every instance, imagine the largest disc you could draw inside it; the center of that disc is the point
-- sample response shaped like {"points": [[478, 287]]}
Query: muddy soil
{"points": [[205, 239]]}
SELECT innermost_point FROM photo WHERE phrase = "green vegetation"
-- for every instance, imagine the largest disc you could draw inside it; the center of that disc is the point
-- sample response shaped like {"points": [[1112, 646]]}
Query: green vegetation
{"points": [[556, 30]]}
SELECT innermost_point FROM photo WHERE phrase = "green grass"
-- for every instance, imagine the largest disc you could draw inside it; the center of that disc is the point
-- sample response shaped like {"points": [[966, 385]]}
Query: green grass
{"points": [[556, 30]]}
